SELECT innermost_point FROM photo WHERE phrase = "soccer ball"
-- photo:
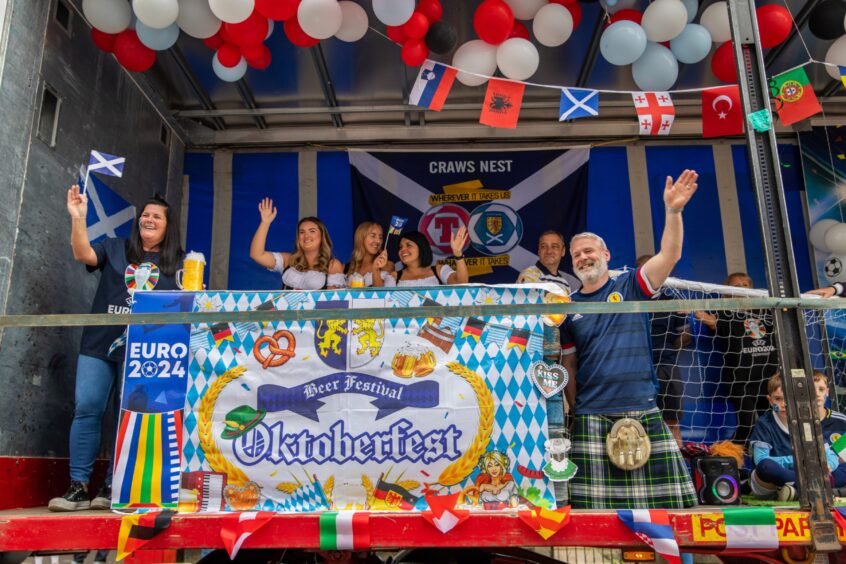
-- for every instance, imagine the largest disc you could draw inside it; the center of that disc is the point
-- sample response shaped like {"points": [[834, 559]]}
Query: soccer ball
{"points": [[495, 229], [834, 270]]}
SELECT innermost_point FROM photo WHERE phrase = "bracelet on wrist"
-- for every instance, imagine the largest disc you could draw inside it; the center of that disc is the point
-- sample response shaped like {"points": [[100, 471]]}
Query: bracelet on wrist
{"points": [[456, 257], [675, 210]]}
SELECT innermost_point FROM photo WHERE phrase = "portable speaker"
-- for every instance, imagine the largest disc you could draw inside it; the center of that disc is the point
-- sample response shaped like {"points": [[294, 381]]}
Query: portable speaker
{"points": [[717, 480]]}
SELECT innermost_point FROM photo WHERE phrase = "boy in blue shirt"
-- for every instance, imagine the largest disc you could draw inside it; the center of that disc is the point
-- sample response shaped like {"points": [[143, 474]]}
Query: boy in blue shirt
{"points": [[774, 475]]}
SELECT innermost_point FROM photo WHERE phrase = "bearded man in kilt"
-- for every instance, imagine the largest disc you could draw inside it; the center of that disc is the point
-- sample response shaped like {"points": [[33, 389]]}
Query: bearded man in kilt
{"points": [[626, 456]]}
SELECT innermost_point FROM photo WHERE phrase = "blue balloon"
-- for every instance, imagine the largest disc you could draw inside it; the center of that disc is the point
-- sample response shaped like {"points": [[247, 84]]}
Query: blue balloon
{"points": [[157, 39], [692, 45], [622, 43], [656, 70], [692, 7], [229, 74]]}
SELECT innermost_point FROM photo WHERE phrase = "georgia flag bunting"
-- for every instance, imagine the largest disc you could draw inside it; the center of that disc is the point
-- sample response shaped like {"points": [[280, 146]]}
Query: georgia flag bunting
{"points": [[655, 112]]}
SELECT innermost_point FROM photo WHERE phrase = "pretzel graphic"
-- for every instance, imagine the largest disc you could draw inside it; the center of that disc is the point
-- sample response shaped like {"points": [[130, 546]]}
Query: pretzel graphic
{"points": [[276, 356]]}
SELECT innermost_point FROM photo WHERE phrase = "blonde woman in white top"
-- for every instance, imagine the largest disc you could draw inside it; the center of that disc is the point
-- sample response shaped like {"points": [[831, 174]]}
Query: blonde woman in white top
{"points": [[311, 266], [368, 260], [415, 253]]}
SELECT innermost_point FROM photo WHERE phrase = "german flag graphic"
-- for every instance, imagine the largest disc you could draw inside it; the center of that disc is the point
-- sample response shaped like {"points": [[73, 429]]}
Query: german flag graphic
{"points": [[474, 327]]}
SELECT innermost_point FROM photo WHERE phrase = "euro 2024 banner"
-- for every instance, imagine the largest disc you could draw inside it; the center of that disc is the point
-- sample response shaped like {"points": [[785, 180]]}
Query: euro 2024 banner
{"points": [[308, 416], [506, 199]]}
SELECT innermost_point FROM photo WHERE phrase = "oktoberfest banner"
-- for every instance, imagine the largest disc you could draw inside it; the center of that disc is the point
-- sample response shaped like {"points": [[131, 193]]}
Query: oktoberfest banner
{"points": [[366, 414], [505, 199]]}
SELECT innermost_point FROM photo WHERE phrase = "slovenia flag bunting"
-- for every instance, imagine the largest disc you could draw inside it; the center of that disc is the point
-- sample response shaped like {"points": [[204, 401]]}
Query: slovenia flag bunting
{"points": [[652, 526], [344, 530], [750, 527]]}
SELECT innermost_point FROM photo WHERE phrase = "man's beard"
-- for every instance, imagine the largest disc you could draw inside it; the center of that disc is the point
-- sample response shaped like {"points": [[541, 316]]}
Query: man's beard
{"points": [[593, 274]]}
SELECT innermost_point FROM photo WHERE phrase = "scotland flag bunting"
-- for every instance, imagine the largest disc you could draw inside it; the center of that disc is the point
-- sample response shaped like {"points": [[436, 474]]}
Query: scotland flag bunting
{"points": [[577, 103], [432, 85]]}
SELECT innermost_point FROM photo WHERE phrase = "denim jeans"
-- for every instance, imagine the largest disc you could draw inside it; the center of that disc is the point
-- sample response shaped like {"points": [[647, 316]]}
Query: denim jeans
{"points": [[95, 380]]}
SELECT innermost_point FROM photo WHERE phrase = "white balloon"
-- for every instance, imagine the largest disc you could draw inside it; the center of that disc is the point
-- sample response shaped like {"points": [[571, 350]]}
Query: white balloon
{"points": [[715, 18], [475, 56], [354, 22], [157, 14], [517, 58], [229, 74], [525, 9], [196, 19], [393, 12], [157, 39], [320, 19], [553, 25], [109, 16], [836, 55], [835, 239], [835, 268], [817, 234], [232, 11], [663, 20]]}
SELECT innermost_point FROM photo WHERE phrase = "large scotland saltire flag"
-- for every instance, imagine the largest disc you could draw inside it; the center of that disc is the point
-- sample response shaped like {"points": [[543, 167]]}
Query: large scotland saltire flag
{"points": [[505, 200], [109, 215]]}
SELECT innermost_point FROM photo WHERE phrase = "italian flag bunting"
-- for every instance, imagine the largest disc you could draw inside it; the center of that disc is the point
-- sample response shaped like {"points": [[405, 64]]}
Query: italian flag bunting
{"points": [[750, 527], [344, 530]]}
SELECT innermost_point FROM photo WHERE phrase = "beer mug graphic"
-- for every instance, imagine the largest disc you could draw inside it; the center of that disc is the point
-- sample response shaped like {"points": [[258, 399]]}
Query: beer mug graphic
{"points": [[191, 276]]}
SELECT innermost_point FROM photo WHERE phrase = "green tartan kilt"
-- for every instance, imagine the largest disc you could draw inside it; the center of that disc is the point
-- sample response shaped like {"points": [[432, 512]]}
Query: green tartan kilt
{"points": [[662, 483]]}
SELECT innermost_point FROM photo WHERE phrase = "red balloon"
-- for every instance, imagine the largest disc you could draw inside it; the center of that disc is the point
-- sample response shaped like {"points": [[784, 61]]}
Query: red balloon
{"points": [[297, 36], [774, 24], [229, 55], [519, 30], [279, 10], [214, 42], [576, 12], [722, 63], [432, 9], [416, 26], [493, 21], [563, 2], [629, 15], [104, 41], [396, 34], [257, 56], [414, 52], [131, 53], [251, 31]]}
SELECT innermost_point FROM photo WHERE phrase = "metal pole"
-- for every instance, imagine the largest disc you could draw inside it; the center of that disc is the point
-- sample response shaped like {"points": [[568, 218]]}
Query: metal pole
{"points": [[797, 380]]}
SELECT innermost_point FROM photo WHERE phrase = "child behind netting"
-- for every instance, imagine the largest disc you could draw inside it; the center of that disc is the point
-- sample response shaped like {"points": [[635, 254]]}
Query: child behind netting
{"points": [[774, 476]]}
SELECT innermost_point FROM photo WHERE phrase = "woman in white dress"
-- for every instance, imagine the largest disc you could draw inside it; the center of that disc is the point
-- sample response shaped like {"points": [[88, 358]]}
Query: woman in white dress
{"points": [[311, 266], [415, 253], [368, 260]]}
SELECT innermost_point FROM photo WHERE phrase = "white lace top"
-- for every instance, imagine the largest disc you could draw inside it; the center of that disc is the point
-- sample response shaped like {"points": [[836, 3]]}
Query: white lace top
{"points": [[387, 279], [305, 280], [445, 272]]}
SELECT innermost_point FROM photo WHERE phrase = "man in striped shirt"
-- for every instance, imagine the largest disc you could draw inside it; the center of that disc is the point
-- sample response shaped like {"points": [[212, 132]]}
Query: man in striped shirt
{"points": [[551, 252]]}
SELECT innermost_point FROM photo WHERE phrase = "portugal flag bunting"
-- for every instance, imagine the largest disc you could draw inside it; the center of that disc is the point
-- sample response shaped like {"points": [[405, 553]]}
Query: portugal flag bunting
{"points": [[344, 530], [502, 103], [722, 113], [138, 529], [794, 98], [238, 527], [839, 447]]}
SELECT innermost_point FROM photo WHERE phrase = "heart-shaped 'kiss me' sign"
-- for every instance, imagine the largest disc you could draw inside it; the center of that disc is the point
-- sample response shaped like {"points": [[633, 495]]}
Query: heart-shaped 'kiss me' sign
{"points": [[549, 378], [243, 498]]}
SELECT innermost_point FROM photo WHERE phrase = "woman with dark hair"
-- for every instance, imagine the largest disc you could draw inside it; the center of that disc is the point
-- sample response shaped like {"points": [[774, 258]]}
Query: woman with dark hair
{"points": [[311, 266], [368, 260], [415, 253], [148, 260]]}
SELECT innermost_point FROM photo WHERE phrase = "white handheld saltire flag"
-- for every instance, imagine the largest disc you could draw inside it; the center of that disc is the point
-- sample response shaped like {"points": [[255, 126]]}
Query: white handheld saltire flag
{"points": [[442, 512], [238, 527], [652, 526], [105, 163], [839, 447], [344, 530], [750, 527], [432, 86], [655, 112], [577, 103]]}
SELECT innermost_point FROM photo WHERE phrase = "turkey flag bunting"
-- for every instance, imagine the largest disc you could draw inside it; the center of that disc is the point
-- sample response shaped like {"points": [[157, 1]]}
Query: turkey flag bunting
{"points": [[722, 114]]}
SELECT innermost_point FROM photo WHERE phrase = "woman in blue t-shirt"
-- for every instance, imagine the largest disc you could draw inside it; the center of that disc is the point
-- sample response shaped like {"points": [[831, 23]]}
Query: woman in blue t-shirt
{"points": [[148, 260]]}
